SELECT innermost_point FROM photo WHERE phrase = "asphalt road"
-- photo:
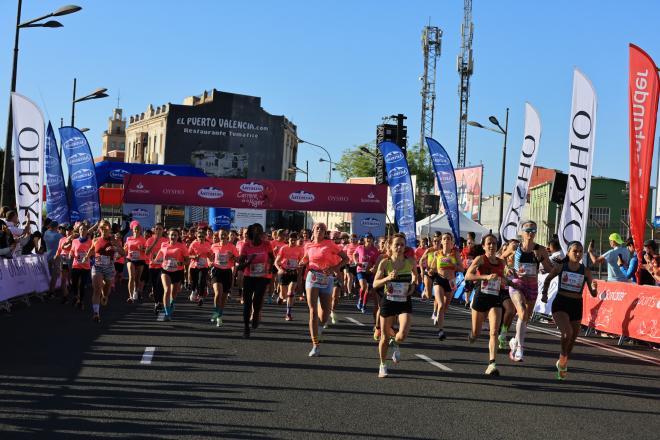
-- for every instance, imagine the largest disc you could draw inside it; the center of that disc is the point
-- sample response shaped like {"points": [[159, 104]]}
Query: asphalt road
{"points": [[62, 376]]}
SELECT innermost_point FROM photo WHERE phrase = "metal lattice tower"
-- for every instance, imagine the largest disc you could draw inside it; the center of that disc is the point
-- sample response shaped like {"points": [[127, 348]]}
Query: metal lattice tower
{"points": [[431, 43], [464, 65]]}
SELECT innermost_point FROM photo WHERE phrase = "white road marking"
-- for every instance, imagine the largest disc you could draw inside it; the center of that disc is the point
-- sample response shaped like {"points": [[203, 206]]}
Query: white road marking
{"points": [[148, 355], [434, 363], [161, 317], [355, 321]]}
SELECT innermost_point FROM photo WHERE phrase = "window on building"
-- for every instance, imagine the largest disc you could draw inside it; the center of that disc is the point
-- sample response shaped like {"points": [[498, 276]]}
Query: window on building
{"points": [[114, 145], [625, 221], [601, 216], [122, 146]]}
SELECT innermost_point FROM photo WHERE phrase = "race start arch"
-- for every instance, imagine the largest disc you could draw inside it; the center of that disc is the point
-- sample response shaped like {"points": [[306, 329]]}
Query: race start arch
{"points": [[254, 194]]}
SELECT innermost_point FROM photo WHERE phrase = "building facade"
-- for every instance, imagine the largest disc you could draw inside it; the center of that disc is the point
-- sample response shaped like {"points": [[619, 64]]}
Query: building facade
{"points": [[114, 138]]}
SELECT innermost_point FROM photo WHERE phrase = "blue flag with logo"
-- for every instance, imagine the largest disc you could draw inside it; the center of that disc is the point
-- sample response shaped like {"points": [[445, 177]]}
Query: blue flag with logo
{"points": [[220, 218], [57, 206], [444, 175], [82, 176], [403, 199]]}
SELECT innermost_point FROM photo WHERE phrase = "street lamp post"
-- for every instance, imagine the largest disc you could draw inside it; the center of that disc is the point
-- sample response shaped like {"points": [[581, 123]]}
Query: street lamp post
{"points": [[69, 9], [96, 94], [505, 131], [330, 162], [295, 169]]}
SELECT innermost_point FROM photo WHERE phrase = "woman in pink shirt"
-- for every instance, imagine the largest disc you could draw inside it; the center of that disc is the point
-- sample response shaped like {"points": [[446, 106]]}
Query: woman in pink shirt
{"points": [[288, 268], [63, 252], [200, 252], [174, 257], [80, 267], [153, 246], [103, 250], [135, 256], [366, 256], [224, 257], [255, 259], [324, 259]]}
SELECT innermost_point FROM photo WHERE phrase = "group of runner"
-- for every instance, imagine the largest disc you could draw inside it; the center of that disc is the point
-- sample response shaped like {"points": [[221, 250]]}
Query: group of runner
{"points": [[321, 268]]}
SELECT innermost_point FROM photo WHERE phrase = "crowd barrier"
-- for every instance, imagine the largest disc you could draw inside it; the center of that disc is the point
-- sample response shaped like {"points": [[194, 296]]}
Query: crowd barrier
{"points": [[21, 276]]}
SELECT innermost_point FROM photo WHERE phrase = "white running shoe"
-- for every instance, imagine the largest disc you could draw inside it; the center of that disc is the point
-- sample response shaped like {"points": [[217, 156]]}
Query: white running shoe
{"points": [[492, 370], [192, 297], [316, 351], [135, 296], [518, 355], [382, 371], [513, 344], [396, 354], [333, 318]]}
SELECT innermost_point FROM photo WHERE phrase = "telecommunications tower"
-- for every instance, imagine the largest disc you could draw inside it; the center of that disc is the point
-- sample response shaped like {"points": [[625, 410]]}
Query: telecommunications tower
{"points": [[464, 64], [431, 42]]}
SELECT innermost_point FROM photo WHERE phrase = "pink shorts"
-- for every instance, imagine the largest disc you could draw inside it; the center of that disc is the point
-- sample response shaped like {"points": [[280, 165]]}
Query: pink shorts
{"points": [[527, 287]]}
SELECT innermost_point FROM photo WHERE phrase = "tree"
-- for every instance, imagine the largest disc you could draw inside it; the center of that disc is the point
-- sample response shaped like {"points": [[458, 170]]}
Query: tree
{"points": [[356, 163]]}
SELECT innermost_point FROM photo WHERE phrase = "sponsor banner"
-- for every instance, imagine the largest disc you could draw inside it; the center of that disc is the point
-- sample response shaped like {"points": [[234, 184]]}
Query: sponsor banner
{"points": [[403, 199], [254, 194], [582, 137], [446, 181], [469, 184], [242, 218], [145, 214], [23, 275], [530, 148], [113, 172], [625, 309], [84, 190], [220, 218], [372, 223], [28, 160], [643, 99], [57, 206]]}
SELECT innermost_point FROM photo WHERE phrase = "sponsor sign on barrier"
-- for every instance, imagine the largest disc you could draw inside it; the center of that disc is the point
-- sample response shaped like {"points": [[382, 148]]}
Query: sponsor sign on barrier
{"points": [[624, 309], [22, 275]]}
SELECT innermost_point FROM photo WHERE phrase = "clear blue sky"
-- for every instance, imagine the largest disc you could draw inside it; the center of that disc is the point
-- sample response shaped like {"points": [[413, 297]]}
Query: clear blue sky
{"points": [[335, 68]]}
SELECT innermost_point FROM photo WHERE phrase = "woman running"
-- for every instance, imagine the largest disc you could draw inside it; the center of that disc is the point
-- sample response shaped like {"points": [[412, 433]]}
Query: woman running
{"points": [[424, 263], [255, 259], [200, 252], [567, 305], [135, 256], [288, 266], [487, 272], [225, 256], [351, 268], [81, 269], [323, 258], [153, 245], [64, 253], [398, 276], [365, 255], [527, 258], [446, 262], [174, 257], [103, 251]]}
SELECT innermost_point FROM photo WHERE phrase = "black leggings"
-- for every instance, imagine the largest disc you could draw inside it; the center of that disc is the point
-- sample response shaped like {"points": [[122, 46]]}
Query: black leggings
{"points": [[79, 279], [253, 296], [198, 278], [157, 284]]}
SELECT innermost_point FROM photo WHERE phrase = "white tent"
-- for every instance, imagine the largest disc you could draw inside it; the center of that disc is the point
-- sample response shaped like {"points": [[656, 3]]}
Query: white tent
{"points": [[439, 223]]}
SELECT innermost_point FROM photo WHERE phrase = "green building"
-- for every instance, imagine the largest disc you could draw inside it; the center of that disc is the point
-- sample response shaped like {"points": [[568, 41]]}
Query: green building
{"points": [[608, 211]]}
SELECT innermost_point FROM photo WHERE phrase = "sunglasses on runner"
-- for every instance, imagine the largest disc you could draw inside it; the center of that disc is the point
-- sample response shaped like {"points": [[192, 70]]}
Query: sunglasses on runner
{"points": [[530, 230]]}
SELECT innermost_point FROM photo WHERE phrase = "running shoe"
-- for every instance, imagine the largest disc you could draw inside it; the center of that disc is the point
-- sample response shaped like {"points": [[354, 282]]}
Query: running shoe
{"points": [[471, 338], [376, 334], [441, 335], [333, 318], [218, 322], [396, 354], [135, 296], [156, 308], [382, 371], [561, 372], [492, 370], [434, 317], [97, 318], [200, 302], [512, 344], [192, 297], [215, 316], [104, 300], [363, 309], [316, 351], [518, 355], [288, 317], [130, 300], [502, 341], [359, 306]]}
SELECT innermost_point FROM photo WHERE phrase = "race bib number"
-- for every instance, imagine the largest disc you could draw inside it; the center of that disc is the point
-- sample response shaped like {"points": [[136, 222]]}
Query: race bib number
{"points": [[170, 264], [103, 260], [528, 269], [257, 269], [202, 262], [491, 287], [292, 264], [397, 291], [80, 258], [134, 255], [571, 281], [222, 259], [319, 280]]}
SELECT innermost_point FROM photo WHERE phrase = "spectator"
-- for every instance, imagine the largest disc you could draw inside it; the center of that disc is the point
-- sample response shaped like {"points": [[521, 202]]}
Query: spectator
{"points": [[7, 243], [611, 257], [52, 239], [556, 254]]}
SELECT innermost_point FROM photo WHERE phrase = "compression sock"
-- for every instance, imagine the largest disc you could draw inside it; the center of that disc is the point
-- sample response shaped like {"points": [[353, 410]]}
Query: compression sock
{"points": [[315, 340], [519, 331]]}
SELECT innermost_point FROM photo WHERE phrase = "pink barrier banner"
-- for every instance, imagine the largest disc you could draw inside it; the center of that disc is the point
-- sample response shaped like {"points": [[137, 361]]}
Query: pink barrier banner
{"points": [[254, 194], [624, 309]]}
